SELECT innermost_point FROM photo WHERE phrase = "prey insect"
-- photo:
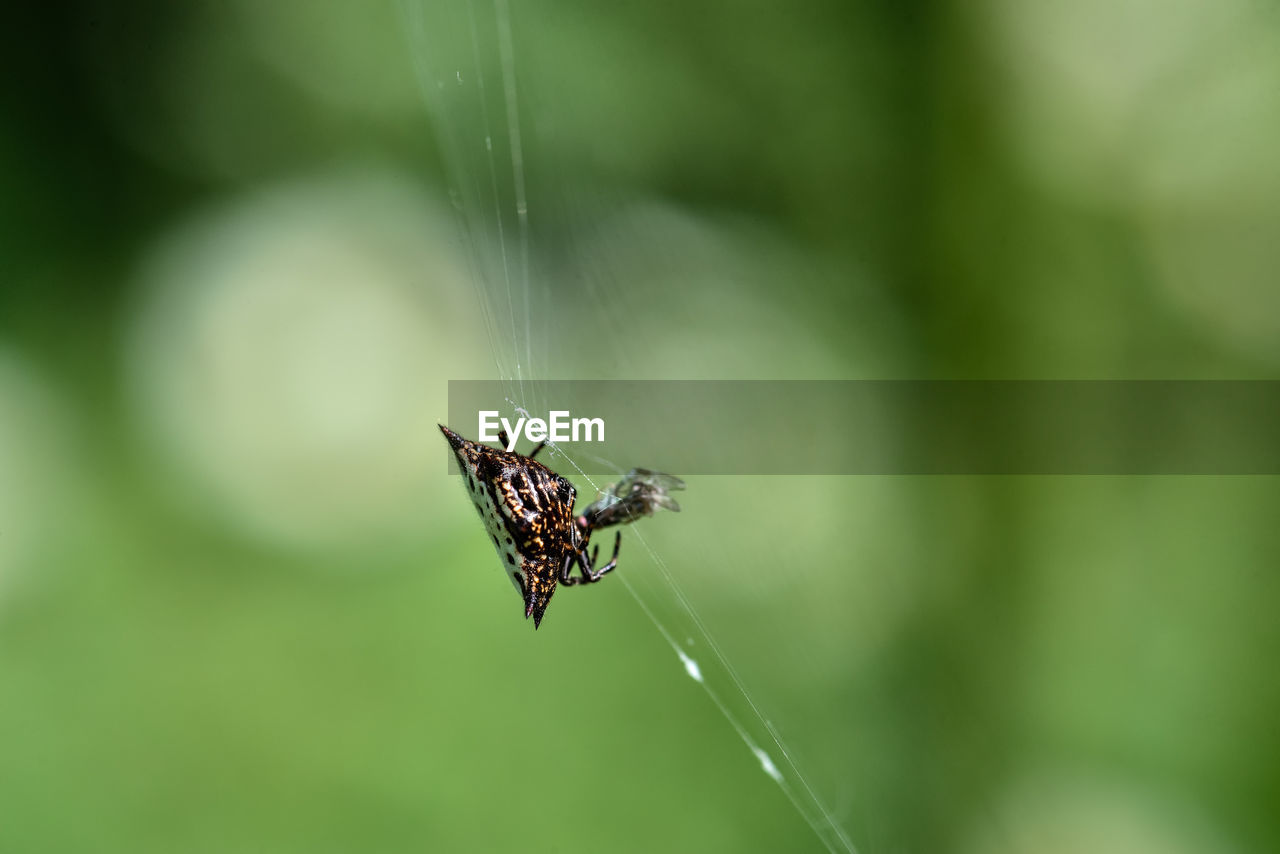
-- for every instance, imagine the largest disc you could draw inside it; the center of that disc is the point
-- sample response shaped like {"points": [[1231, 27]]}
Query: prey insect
{"points": [[640, 493], [528, 512]]}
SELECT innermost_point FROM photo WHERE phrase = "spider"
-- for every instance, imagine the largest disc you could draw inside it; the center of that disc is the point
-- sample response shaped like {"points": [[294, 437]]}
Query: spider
{"points": [[528, 511]]}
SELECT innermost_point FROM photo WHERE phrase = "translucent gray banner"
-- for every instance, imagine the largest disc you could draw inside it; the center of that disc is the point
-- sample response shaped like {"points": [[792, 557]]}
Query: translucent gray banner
{"points": [[898, 427]]}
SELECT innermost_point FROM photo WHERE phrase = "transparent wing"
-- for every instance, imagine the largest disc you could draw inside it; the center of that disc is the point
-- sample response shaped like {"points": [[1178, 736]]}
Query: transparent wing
{"points": [[641, 492]]}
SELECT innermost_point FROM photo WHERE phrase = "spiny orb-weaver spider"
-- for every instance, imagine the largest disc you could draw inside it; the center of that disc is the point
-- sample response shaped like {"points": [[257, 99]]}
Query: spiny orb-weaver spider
{"points": [[528, 511]]}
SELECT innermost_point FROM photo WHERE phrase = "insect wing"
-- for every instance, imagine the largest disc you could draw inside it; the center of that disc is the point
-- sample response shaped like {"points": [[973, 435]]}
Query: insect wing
{"points": [[639, 493], [656, 480]]}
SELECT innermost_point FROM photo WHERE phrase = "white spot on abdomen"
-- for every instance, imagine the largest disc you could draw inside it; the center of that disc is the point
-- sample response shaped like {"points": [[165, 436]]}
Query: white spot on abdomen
{"points": [[489, 512]]}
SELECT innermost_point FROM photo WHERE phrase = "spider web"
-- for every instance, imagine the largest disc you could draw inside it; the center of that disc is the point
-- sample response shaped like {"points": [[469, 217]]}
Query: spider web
{"points": [[765, 659]]}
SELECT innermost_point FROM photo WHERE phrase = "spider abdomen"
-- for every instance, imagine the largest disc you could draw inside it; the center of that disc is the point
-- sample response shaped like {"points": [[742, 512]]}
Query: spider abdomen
{"points": [[528, 513]]}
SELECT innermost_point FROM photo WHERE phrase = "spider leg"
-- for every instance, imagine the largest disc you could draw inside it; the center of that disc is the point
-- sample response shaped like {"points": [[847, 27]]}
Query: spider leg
{"points": [[503, 439], [565, 578], [540, 446], [613, 561], [589, 572]]}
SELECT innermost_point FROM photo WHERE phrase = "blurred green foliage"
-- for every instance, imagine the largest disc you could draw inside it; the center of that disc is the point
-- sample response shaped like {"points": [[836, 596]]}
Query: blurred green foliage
{"points": [[243, 608]]}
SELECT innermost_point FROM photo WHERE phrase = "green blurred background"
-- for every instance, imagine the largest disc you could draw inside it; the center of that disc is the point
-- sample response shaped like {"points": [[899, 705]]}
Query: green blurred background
{"points": [[243, 608]]}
